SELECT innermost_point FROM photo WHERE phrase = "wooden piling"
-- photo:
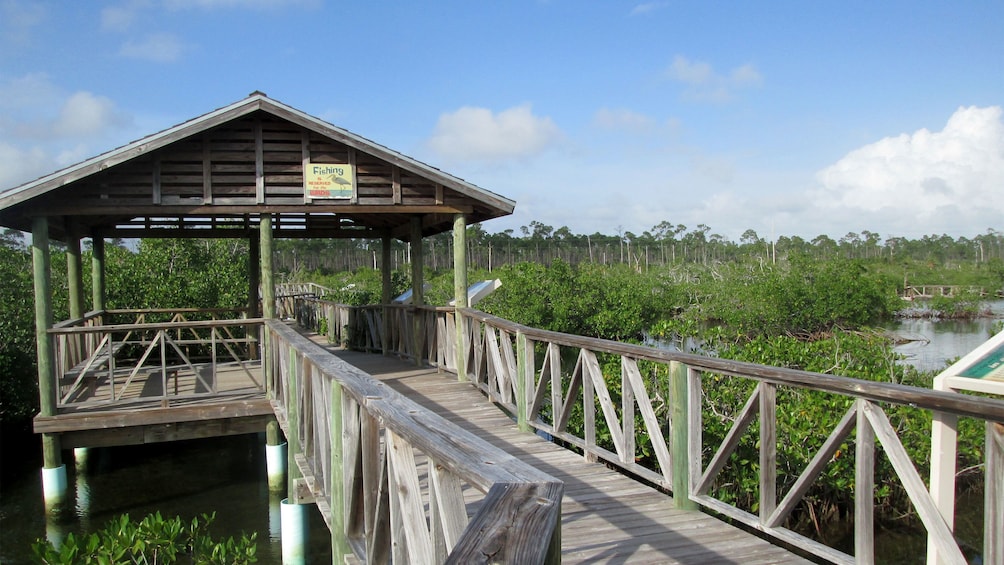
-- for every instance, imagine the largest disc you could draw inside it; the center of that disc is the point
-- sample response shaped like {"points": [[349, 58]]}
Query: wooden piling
{"points": [[40, 259], [460, 288], [417, 286], [97, 272]]}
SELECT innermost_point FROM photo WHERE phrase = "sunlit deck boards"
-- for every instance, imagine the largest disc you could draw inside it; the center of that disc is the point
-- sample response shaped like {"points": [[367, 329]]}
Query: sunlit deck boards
{"points": [[606, 517]]}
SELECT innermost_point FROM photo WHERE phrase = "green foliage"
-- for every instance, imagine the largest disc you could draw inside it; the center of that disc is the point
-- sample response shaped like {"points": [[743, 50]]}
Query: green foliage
{"points": [[152, 540], [178, 273], [18, 384], [805, 418], [359, 287], [965, 305], [804, 296], [611, 302]]}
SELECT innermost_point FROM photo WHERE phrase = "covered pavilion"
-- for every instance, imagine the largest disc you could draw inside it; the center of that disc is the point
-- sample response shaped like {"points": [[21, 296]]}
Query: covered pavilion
{"points": [[256, 169]]}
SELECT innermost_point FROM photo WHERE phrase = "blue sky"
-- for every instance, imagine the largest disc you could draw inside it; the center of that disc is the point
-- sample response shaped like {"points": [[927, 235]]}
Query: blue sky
{"points": [[788, 118]]}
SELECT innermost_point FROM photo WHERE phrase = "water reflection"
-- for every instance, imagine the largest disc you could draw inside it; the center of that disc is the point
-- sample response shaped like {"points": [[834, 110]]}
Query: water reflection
{"points": [[222, 475], [936, 343]]}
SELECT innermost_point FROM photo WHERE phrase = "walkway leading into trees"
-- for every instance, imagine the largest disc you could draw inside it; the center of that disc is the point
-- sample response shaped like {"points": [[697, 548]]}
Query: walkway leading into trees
{"points": [[606, 516]]}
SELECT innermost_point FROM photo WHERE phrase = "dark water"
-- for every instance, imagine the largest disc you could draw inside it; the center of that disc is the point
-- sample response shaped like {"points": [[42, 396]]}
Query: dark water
{"points": [[187, 479]]}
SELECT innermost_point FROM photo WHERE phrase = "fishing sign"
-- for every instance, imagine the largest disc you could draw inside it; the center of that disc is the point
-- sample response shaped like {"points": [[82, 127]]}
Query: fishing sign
{"points": [[328, 181]]}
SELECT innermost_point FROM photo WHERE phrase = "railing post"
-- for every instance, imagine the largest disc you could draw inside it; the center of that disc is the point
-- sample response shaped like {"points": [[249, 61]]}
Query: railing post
{"points": [[524, 380], [339, 542], [768, 450], [993, 521], [294, 384], [679, 422], [864, 489]]}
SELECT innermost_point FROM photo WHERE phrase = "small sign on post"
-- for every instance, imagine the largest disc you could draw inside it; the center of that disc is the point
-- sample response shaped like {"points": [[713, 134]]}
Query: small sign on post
{"points": [[322, 180]]}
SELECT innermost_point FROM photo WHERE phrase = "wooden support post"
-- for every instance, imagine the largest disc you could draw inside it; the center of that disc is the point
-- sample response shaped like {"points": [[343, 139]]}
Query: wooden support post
{"points": [[679, 422], [267, 277], [524, 379], [74, 273], [267, 283], [74, 345], [460, 289], [385, 293], [97, 272], [295, 377], [993, 521], [47, 392], [864, 489], [254, 276], [417, 287], [339, 540], [768, 450]]}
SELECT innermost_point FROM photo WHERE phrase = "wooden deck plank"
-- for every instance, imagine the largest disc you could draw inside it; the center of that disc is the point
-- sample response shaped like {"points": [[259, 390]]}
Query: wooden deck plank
{"points": [[606, 516]]}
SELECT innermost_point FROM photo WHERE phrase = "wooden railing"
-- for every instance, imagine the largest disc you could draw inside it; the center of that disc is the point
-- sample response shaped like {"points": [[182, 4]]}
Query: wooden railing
{"points": [[398, 481], [596, 395], [399, 329], [92, 354], [502, 359], [286, 295], [932, 290]]}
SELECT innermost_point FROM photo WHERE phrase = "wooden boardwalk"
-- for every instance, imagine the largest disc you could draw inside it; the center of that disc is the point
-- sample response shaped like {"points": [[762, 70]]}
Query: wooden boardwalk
{"points": [[606, 516]]}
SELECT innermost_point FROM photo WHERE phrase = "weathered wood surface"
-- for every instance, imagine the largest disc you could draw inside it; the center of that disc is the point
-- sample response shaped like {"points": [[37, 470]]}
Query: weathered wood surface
{"points": [[606, 516], [511, 377], [211, 177], [386, 448]]}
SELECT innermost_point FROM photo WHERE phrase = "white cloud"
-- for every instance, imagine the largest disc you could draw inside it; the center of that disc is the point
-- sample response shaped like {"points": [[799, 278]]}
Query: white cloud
{"points": [[622, 119], [706, 84], [121, 17], [18, 19], [19, 95], [43, 128], [958, 170], [645, 8], [157, 47], [18, 165], [479, 134], [86, 114]]}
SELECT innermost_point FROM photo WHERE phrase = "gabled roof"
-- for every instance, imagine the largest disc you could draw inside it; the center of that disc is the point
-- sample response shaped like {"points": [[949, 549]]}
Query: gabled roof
{"points": [[213, 175]]}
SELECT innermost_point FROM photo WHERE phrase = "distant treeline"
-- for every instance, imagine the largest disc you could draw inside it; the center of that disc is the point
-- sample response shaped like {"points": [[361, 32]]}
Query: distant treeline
{"points": [[664, 244]]}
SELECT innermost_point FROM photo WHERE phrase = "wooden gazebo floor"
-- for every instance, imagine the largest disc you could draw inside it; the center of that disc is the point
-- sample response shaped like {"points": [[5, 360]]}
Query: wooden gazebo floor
{"points": [[142, 414]]}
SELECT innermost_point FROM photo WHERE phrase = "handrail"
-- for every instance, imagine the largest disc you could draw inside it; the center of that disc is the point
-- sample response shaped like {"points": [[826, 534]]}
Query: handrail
{"points": [[959, 404], [98, 363], [505, 373], [335, 415], [542, 377], [193, 324], [285, 289]]}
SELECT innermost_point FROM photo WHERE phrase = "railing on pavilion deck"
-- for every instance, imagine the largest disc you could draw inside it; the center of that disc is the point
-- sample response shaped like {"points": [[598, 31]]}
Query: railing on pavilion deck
{"points": [[358, 441], [542, 378], [137, 355]]}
